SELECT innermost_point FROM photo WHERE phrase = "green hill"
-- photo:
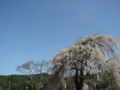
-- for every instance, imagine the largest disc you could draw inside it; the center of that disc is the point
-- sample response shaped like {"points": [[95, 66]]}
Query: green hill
{"points": [[19, 81]]}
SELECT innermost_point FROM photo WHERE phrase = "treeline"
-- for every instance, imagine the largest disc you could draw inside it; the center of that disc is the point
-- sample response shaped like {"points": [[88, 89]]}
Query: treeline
{"points": [[19, 82]]}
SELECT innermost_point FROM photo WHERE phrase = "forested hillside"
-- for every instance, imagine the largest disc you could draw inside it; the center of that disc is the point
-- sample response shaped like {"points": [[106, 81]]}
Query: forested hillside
{"points": [[19, 82]]}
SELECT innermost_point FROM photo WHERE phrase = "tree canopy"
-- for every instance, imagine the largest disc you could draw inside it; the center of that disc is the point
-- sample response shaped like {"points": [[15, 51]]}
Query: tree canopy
{"points": [[89, 55]]}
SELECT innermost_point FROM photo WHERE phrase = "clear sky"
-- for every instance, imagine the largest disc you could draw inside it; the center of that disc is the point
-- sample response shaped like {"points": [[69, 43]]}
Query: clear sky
{"points": [[37, 29]]}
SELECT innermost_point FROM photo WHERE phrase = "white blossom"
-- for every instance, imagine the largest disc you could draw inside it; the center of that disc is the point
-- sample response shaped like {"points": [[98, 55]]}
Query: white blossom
{"points": [[91, 54]]}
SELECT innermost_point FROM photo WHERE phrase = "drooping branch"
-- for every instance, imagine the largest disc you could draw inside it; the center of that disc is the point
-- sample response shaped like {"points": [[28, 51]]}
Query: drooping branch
{"points": [[87, 55]]}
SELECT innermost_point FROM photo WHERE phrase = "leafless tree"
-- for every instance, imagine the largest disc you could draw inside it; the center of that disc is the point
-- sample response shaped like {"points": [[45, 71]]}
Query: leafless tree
{"points": [[27, 69], [87, 56], [40, 67]]}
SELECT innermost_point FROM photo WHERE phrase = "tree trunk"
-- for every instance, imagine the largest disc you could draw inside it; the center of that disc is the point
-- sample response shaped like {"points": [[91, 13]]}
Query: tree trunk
{"points": [[81, 78], [44, 85], [81, 83], [77, 82], [31, 84]]}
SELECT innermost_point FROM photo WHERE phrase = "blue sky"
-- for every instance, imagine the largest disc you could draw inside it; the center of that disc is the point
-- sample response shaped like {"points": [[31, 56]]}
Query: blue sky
{"points": [[37, 29]]}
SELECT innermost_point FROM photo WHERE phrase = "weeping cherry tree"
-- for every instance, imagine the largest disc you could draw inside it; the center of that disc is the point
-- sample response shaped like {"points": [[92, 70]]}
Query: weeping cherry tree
{"points": [[87, 56]]}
